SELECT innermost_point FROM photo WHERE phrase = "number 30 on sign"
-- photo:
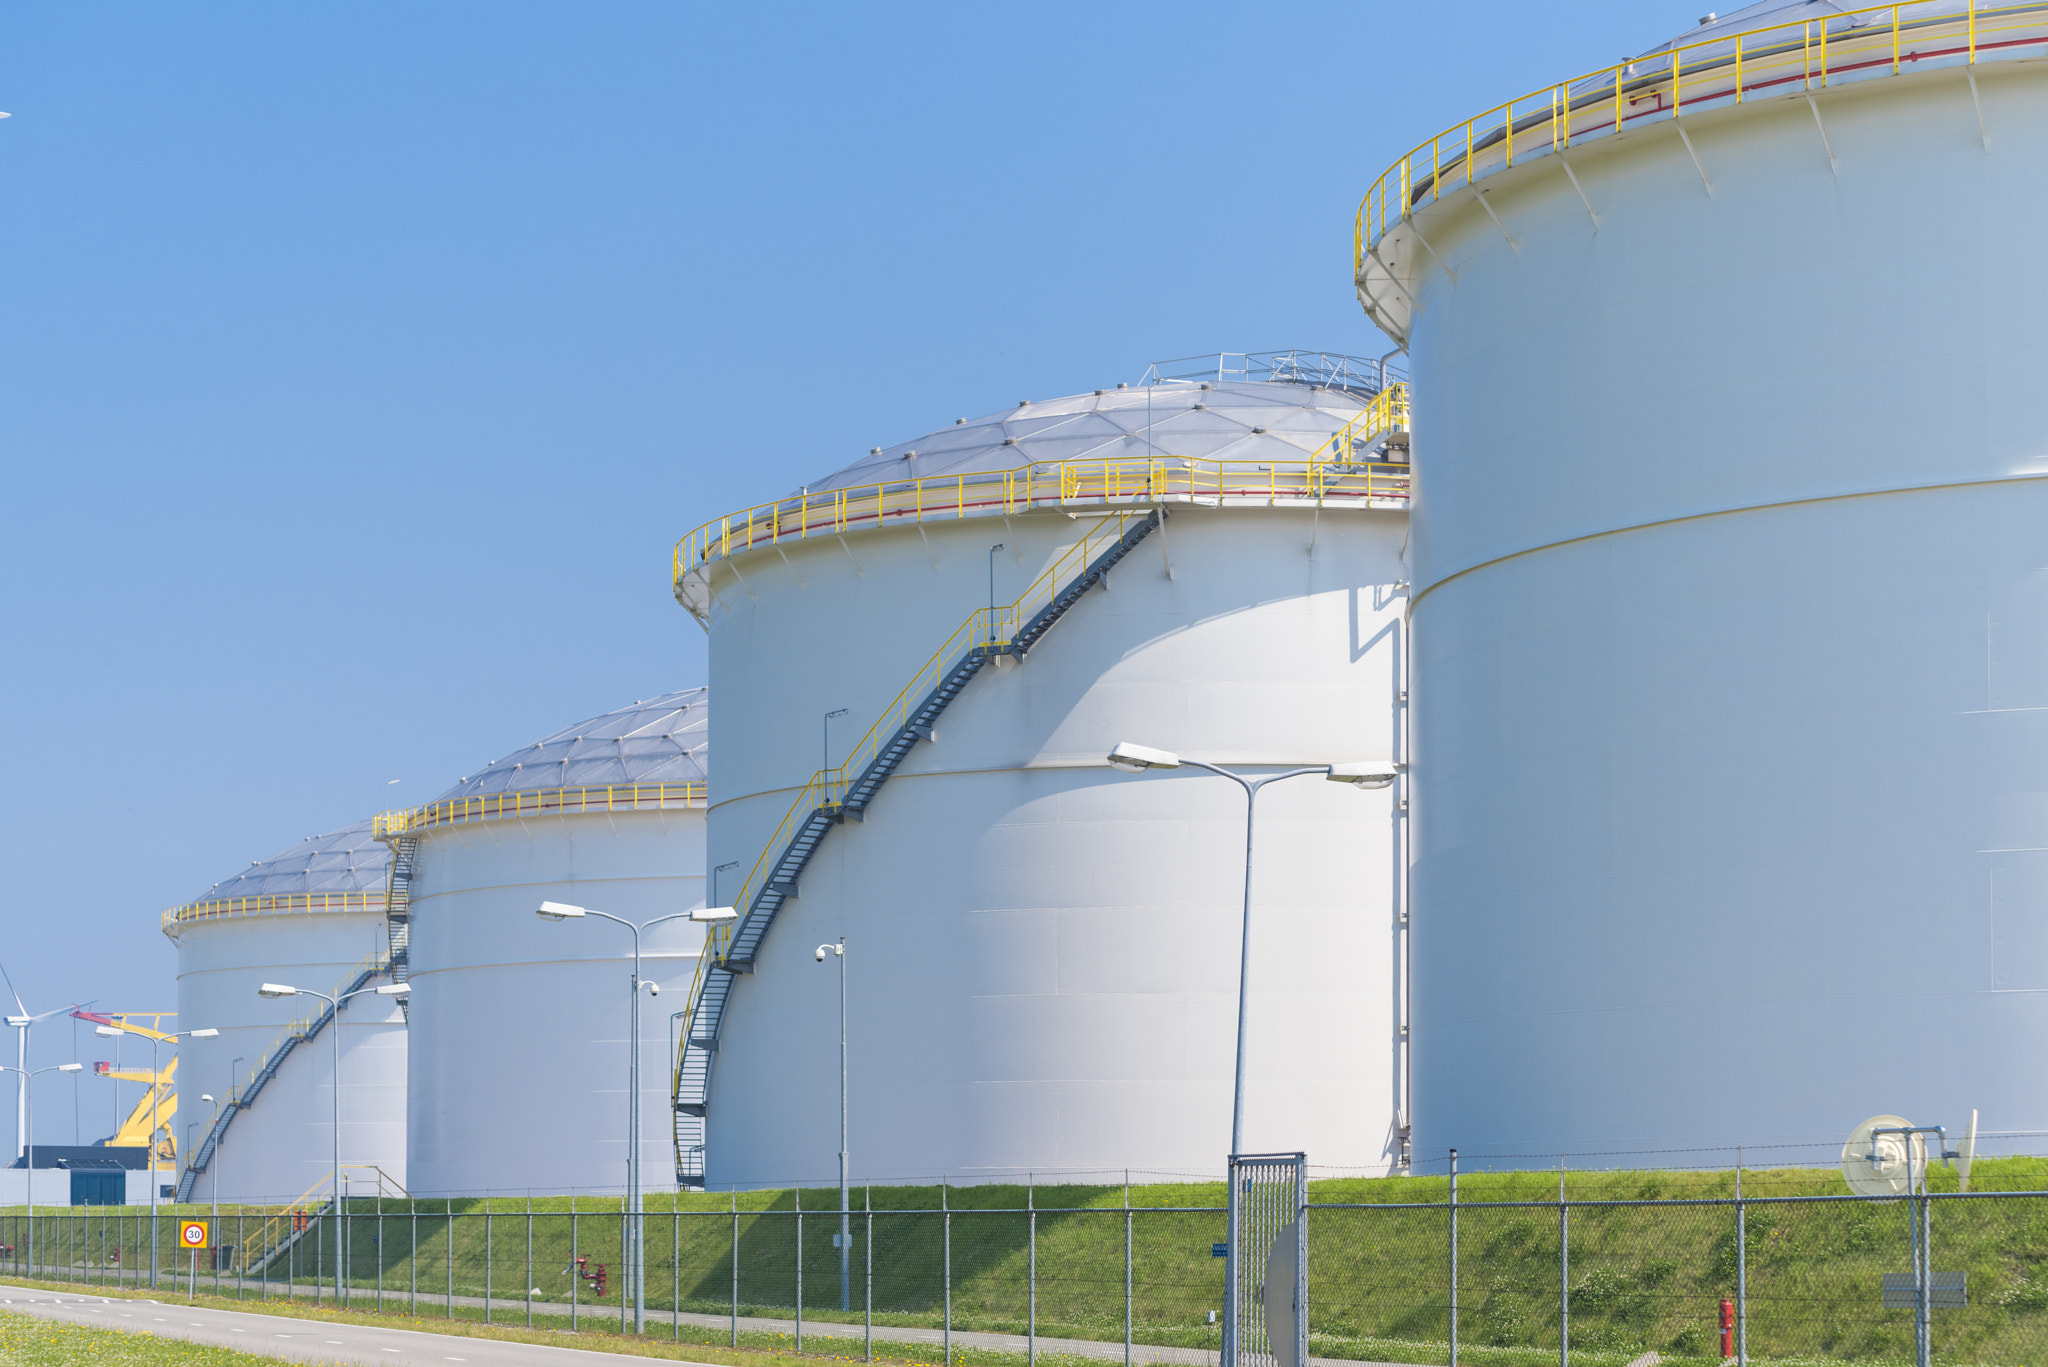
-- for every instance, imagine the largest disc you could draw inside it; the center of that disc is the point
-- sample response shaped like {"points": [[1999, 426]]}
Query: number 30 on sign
{"points": [[192, 1234]]}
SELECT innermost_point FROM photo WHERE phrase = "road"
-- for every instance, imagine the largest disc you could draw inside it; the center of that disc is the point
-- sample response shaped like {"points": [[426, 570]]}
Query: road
{"points": [[297, 1340]]}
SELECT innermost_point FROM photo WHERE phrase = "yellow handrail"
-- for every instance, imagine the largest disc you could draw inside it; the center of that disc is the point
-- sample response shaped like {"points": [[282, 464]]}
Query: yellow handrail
{"points": [[276, 905], [1060, 484], [267, 1234], [1790, 57], [596, 797], [984, 627]]}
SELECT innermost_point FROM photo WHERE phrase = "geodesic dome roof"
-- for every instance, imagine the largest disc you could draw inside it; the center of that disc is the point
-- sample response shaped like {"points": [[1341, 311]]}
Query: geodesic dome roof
{"points": [[660, 740], [1226, 419], [342, 861]]}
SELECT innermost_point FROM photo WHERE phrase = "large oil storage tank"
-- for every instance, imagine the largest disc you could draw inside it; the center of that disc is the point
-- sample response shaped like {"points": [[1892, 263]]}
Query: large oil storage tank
{"points": [[1042, 953], [311, 917], [1731, 586], [520, 1027]]}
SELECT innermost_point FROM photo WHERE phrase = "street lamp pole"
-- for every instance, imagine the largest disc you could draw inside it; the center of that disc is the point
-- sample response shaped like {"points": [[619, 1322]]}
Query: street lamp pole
{"points": [[156, 1088], [845, 1239], [28, 1095], [635, 1240], [1368, 774], [334, 1029]]}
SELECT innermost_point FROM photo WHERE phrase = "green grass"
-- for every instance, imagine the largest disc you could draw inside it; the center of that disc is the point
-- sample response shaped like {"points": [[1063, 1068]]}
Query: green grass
{"points": [[1643, 1276], [26, 1341]]}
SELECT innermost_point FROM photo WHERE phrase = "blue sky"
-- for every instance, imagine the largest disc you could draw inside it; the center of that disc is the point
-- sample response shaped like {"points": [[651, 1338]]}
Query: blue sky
{"points": [[361, 363]]}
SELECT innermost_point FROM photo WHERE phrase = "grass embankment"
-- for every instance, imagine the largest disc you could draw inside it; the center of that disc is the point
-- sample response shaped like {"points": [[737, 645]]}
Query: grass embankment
{"points": [[26, 1341], [1643, 1277]]}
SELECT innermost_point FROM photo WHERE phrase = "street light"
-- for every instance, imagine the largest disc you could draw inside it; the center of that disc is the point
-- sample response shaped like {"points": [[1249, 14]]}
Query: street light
{"points": [[1361, 774], [28, 1092], [156, 1090], [635, 1243], [276, 990], [845, 1239]]}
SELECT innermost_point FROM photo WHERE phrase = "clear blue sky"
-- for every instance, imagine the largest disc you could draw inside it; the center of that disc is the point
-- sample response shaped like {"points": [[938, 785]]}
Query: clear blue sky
{"points": [[360, 363]]}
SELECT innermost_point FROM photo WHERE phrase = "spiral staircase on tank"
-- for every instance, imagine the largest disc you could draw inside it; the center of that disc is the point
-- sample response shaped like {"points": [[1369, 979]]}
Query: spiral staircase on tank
{"points": [[846, 792]]}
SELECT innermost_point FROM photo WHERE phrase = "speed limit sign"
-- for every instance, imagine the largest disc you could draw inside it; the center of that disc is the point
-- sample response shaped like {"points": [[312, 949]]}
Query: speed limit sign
{"points": [[192, 1234]]}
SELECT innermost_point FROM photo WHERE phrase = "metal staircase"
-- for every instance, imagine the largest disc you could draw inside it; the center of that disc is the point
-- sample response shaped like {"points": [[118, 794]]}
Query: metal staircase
{"points": [[295, 1034], [834, 795], [393, 829]]}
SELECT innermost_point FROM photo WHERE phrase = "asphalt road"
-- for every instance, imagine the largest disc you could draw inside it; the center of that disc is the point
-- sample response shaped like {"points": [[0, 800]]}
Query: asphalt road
{"points": [[297, 1340]]}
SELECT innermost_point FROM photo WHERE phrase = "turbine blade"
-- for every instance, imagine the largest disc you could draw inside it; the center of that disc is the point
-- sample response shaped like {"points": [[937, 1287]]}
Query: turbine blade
{"points": [[19, 1009]]}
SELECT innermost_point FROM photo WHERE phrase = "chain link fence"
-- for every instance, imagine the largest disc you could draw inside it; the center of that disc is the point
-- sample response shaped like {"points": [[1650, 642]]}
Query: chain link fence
{"points": [[1508, 1274]]}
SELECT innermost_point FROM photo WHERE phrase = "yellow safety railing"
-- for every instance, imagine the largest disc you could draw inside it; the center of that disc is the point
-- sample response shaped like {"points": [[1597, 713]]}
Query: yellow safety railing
{"points": [[278, 1227], [983, 627], [1324, 476], [605, 797], [279, 905], [1793, 57]]}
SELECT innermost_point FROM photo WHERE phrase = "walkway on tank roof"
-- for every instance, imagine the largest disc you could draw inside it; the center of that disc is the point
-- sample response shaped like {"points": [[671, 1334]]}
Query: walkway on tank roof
{"points": [[1765, 51]]}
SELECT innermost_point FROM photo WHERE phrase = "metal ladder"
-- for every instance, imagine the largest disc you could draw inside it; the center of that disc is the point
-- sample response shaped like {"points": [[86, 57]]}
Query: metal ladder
{"points": [[280, 1050], [817, 811]]}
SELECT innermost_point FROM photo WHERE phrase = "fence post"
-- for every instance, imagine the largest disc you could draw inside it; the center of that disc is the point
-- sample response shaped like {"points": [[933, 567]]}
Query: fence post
{"points": [[575, 1267], [735, 1266], [412, 1258], [1031, 1274], [1454, 1258], [1127, 1268], [489, 1249], [1564, 1273], [799, 1269], [1741, 1269], [867, 1314], [449, 1221], [946, 1235], [675, 1267], [527, 1290], [380, 1247]]}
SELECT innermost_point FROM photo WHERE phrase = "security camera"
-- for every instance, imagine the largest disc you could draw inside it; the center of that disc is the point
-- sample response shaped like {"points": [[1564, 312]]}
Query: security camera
{"points": [[820, 955]]}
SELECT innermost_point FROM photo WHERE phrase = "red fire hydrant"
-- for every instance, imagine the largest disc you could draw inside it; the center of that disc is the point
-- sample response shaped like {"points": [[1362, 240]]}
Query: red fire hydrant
{"points": [[1727, 1329]]}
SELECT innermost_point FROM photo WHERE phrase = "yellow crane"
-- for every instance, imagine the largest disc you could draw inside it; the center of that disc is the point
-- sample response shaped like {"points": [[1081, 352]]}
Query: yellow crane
{"points": [[159, 1102]]}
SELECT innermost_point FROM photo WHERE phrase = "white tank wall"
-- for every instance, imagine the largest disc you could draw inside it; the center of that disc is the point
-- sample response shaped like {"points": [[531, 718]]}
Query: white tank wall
{"points": [[1042, 950], [284, 1143], [520, 1060], [1732, 632]]}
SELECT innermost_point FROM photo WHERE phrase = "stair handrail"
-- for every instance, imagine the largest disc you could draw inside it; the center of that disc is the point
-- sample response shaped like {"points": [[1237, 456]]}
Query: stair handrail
{"points": [[287, 1039], [979, 631]]}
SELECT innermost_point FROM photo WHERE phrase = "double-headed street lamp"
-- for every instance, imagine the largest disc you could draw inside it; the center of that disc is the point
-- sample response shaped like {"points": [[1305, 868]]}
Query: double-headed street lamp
{"points": [[274, 990], [156, 1091], [635, 1244], [844, 1241], [1364, 774], [28, 1093]]}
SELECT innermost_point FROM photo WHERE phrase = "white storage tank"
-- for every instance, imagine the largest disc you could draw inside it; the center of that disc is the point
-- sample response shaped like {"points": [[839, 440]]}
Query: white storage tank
{"points": [[520, 1060], [1042, 951], [1731, 588], [310, 917]]}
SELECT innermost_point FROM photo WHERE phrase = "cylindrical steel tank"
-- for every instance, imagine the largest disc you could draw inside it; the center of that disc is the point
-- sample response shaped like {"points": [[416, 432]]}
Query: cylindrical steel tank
{"points": [[311, 917], [1731, 589], [520, 1060], [1043, 952]]}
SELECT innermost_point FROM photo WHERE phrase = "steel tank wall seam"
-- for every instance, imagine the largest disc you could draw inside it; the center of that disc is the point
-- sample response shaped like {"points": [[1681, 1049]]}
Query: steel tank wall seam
{"points": [[1710, 513]]}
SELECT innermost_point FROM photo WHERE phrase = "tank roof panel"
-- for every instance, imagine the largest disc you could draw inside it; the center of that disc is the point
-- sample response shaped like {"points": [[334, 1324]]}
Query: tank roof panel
{"points": [[342, 861], [1236, 420], [659, 740]]}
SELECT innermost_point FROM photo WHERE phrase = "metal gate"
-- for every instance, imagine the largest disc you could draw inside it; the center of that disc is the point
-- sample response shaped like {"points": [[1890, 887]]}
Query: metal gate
{"points": [[1266, 1292]]}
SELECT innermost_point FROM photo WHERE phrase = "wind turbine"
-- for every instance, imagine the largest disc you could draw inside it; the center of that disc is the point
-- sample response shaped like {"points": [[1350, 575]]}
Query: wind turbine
{"points": [[21, 1021]]}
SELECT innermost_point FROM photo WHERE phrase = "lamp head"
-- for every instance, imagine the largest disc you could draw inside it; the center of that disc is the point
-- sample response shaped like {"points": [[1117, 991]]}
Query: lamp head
{"points": [[70, 1067], [206, 1096], [1138, 758], [1370, 773], [202, 1034], [109, 1031], [716, 916], [395, 990], [558, 911], [276, 990]]}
